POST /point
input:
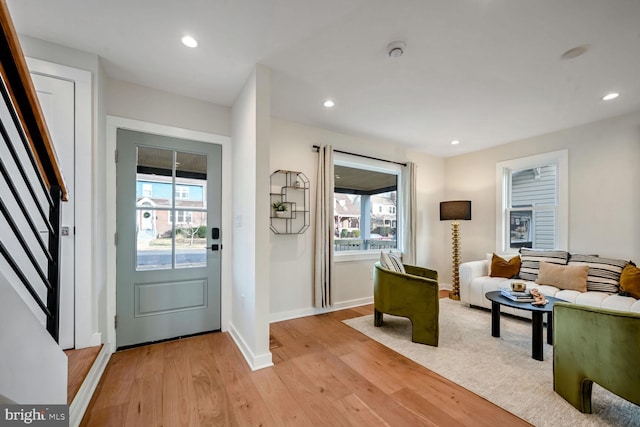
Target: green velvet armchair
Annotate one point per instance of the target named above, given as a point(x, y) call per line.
point(413, 295)
point(595, 345)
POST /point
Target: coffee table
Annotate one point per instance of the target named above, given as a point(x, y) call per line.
point(537, 312)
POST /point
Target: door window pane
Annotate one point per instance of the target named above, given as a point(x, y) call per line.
point(154, 177)
point(171, 188)
point(153, 250)
point(191, 240)
point(191, 180)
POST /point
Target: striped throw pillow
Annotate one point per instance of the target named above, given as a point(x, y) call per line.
point(604, 273)
point(391, 262)
point(532, 258)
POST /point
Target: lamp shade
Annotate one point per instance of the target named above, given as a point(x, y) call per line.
point(455, 210)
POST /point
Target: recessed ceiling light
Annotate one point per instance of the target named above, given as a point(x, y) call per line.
point(395, 49)
point(455, 142)
point(610, 96)
point(189, 41)
point(328, 103)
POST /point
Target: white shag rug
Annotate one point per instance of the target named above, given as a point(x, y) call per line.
point(498, 369)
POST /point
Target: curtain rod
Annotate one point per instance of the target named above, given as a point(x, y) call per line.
point(317, 147)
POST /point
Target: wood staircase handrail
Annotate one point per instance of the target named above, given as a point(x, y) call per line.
point(15, 73)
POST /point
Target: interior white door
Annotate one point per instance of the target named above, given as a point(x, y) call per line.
point(57, 99)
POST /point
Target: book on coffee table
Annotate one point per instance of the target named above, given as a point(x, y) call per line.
point(517, 296)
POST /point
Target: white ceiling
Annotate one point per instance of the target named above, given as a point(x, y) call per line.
point(485, 72)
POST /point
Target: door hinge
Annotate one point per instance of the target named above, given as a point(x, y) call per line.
point(115, 239)
point(115, 321)
point(116, 156)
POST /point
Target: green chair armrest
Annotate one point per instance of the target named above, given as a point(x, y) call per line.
point(421, 271)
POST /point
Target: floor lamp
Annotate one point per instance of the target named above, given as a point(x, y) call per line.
point(455, 211)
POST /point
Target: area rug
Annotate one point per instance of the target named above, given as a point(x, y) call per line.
point(499, 369)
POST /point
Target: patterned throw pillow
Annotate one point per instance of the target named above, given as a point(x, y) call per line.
point(604, 273)
point(391, 262)
point(500, 267)
point(531, 261)
point(630, 281)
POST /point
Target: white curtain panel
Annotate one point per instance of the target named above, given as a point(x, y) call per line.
point(409, 213)
point(323, 253)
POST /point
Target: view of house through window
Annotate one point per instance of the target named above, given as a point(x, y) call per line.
point(171, 209)
point(532, 209)
point(365, 206)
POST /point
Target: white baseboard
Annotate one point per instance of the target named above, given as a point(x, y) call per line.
point(255, 362)
point(312, 311)
point(85, 393)
point(95, 339)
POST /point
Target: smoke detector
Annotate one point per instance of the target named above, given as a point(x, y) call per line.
point(395, 49)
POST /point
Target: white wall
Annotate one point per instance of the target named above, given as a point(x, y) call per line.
point(33, 369)
point(250, 118)
point(603, 178)
point(292, 255)
point(432, 233)
point(154, 106)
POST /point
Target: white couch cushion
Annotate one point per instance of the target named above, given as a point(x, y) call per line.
point(594, 299)
point(565, 295)
point(616, 302)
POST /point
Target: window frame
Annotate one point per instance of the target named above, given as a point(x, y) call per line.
point(356, 162)
point(503, 193)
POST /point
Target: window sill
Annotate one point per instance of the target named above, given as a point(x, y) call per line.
point(356, 256)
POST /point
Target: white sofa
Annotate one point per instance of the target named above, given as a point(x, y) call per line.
point(475, 283)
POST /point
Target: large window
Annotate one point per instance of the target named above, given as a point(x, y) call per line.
point(365, 205)
point(532, 201)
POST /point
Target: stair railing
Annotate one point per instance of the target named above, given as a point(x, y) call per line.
point(31, 183)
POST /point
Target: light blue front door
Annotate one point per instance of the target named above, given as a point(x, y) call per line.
point(168, 241)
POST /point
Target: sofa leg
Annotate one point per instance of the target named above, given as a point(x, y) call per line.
point(377, 318)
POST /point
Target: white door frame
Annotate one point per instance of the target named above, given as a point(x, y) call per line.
point(86, 317)
point(113, 124)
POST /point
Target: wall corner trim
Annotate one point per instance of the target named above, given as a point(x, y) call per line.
point(255, 362)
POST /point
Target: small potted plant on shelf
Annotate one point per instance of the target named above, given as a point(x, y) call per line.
point(280, 209)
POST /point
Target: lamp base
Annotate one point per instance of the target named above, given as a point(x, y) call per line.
point(455, 243)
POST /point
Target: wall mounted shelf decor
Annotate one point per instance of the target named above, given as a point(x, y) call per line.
point(290, 202)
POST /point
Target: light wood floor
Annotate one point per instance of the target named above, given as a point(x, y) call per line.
point(79, 363)
point(325, 374)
